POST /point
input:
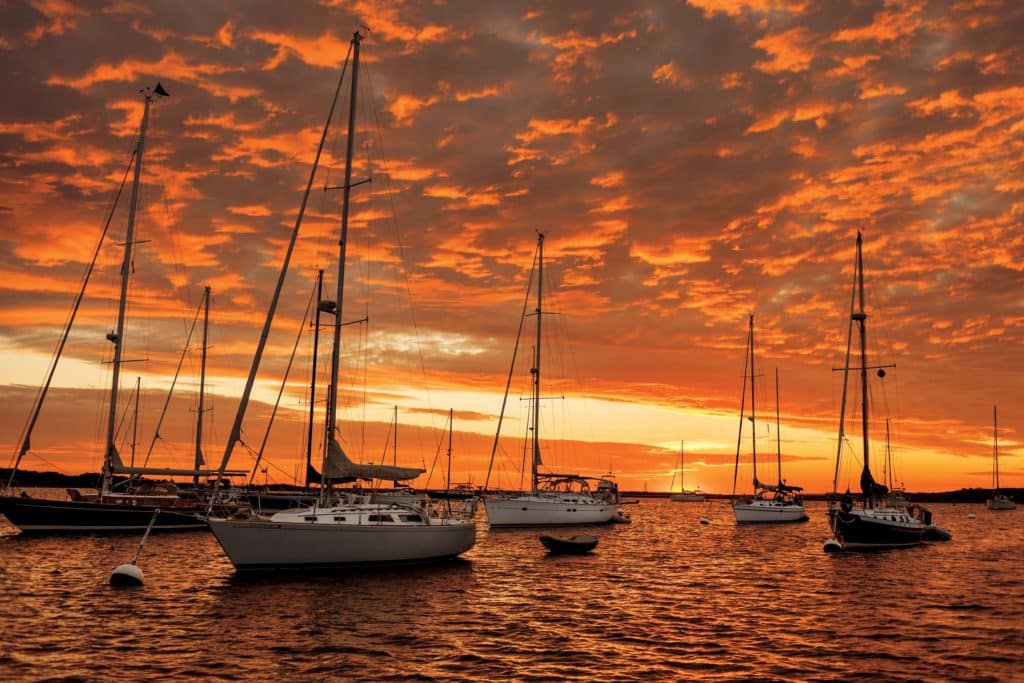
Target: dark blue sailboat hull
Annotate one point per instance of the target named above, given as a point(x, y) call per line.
point(40, 515)
point(859, 530)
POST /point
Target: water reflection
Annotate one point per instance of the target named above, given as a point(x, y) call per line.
point(662, 598)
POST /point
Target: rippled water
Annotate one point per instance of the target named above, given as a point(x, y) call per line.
point(664, 598)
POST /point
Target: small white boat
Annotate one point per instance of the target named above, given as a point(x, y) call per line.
point(770, 503)
point(998, 501)
point(553, 499)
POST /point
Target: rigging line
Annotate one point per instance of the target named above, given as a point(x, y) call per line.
point(170, 392)
point(743, 408)
point(26, 434)
point(284, 382)
point(184, 297)
point(437, 455)
point(511, 370)
point(236, 428)
point(401, 250)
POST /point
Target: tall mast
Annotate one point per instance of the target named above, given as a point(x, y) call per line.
point(202, 387)
point(135, 418)
point(743, 411)
point(394, 436)
point(682, 483)
point(860, 317)
point(332, 398)
point(753, 423)
point(536, 364)
point(312, 378)
point(778, 427)
point(236, 428)
point(995, 452)
point(846, 372)
point(117, 337)
point(451, 428)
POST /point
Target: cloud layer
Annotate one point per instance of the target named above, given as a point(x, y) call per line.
point(689, 162)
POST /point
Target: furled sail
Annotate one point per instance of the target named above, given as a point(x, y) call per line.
point(339, 467)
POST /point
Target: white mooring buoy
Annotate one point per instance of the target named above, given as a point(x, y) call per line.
point(832, 546)
point(130, 574)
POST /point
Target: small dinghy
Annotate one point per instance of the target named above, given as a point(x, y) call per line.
point(574, 545)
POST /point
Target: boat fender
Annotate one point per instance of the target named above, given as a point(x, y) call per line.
point(928, 517)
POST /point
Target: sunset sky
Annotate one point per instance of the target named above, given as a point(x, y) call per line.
point(690, 163)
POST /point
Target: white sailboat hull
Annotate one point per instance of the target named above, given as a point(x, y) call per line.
point(548, 510)
point(1000, 503)
point(756, 511)
point(264, 544)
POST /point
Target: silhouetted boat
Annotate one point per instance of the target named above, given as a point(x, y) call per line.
point(573, 545)
point(879, 521)
point(125, 506)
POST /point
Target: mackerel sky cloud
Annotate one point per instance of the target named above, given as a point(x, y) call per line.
point(689, 162)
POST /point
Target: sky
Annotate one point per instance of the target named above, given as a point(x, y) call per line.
point(689, 163)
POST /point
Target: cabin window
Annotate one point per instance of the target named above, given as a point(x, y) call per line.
point(338, 518)
point(379, 518)
point(310, 518)
point(524, 509)
point(411, 518)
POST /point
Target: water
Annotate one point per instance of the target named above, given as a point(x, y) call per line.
point(664, 598)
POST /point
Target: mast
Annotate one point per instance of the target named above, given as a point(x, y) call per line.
point(743, 410)
point(682, 482)
point(394, 449)
point(451, 428)
point(135, 418)
point(535, 371)
point(867, 483)
point(202, 387)
point(312, 380)
point(753, 423)
point(332, 398)
point(236, 427)
point(995, 453)
point(117, 337)
point(778, 427)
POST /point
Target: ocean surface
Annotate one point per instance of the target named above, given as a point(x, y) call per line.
point(663, 598)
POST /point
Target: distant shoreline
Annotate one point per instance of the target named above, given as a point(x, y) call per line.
point(31, 479)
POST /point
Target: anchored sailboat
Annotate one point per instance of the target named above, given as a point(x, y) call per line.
point(339, 529)
point(998, 501)
point(553, 499)
point(683, 496)
point(770, 503)
point(110, 507)
point(881, 520)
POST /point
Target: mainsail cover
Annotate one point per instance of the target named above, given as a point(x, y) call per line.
point(338, 466)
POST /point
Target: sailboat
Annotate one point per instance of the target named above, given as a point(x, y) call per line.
point(770, 503)
point(877, 522)
point(553, 499)
point(684, 496)
point(125, 506)
point(341, 528)
point(998, 501)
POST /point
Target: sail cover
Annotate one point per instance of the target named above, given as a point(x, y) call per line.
point(339, 467)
